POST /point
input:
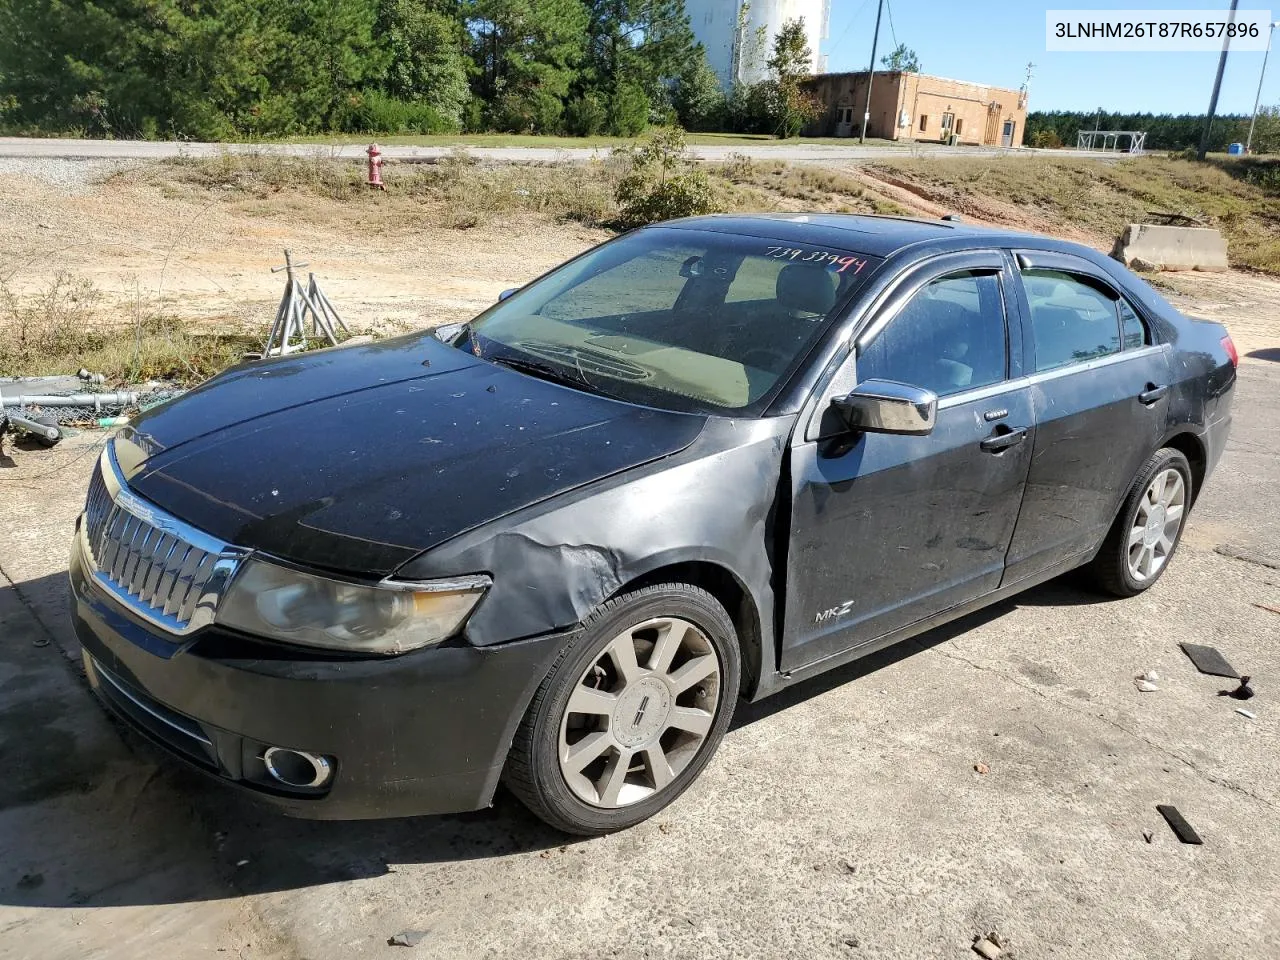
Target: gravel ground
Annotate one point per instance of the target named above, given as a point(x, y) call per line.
point(73, 176)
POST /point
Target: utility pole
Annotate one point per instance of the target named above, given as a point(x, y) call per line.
point(1248, 143)
point(871, 73)
point(1217, 88)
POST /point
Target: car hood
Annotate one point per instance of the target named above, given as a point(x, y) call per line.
point(360, 458)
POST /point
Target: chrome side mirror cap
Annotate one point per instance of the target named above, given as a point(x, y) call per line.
point(883, 406)
point(506, 293)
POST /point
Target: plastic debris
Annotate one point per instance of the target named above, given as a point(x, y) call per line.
point(1247, 714)
point(1244, 691)
point(983, 947)
point(1178, 823)
point(981, 768)
point(1209, 660)
point(1146, 682)
point(407, 938)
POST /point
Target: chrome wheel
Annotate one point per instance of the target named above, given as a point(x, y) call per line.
point(640, 713)
point(1156, 524)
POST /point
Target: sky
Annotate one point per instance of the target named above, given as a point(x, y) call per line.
point(991, 41)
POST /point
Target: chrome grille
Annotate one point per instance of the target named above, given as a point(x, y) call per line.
point(164, 570)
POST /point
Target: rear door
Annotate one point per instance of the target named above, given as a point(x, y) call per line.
point(1100, 388)
point(887, 530)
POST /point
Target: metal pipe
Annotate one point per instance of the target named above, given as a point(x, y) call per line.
point(1248, 143)
point(50, 434)
point(94, 400)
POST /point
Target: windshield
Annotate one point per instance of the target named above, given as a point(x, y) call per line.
point(685, 320)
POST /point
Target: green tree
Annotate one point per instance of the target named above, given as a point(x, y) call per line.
point(696, 96)
point(791, 105)
point(901, 59)
point(527, 53)
point(424, 41)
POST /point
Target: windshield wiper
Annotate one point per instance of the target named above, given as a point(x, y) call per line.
point(543, 371)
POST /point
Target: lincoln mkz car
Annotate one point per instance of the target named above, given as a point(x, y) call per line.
point(554, 547)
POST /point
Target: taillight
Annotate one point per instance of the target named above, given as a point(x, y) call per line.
point(1230, 347)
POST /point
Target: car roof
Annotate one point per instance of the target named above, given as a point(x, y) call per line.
point(877, 236)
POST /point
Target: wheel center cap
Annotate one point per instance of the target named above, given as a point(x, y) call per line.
point(641, 713)
point(1155, 524)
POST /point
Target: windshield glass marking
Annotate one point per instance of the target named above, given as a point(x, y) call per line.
point(816, 256)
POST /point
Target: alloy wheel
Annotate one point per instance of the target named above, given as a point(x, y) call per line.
point(1156, 524)
point(640, 713)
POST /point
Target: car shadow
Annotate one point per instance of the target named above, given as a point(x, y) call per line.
point(102, 817)
point(1266, 353)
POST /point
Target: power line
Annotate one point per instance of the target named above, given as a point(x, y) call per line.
point(852, 20)
point(892, 32)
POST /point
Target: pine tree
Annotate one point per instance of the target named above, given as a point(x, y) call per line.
point(901, 59)
point(424, 41)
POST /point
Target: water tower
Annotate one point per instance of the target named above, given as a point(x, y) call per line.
point(736, 54)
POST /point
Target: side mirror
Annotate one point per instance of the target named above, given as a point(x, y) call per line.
point(506, 293)
point(882, 406)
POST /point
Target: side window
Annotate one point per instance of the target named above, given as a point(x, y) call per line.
point(1132, 330)
point(950, 337)
point(1073, 318)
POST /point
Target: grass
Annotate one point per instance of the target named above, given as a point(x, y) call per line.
point(61, 329)
point(1241, 198)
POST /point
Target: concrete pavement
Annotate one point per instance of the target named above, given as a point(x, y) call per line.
point(844, 819)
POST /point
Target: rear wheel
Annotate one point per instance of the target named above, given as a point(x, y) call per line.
point(1149, 527)
point(631, 713)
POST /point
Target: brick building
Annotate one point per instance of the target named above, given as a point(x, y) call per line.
point(914, 106)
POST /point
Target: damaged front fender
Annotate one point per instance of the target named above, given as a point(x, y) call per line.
point(553, 564)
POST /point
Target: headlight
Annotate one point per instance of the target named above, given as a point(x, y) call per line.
point(274, 601)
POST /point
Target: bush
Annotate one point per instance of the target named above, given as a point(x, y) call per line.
point(375, 112)
point(1046, 140)
point(662, 183)
point(585, 116)
point(628, 111)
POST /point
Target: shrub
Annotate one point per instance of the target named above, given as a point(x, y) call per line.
point(585, 116)
point(662, 182)
point(1046, 140)
point(375, 112)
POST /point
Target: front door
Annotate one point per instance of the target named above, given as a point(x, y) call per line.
point(887, 530)
point(1101, 402)
point(1006, 135)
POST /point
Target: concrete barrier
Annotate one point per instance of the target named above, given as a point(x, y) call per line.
point(1171, 248)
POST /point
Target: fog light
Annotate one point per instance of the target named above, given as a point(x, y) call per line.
point(297, 768)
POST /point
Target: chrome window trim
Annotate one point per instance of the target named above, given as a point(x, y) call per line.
point(885, 306)
point(1031, 380)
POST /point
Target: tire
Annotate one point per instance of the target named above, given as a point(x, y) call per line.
point(1114, 569)
point(566, 762)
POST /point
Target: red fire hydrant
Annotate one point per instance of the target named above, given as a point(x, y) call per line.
point(375, 167)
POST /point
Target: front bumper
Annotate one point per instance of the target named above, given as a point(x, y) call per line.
point(422, 733)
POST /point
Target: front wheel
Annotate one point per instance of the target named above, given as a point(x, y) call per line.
point(631, 713)
point(1149, 527)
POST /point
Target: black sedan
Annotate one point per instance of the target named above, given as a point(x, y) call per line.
point(555, 546)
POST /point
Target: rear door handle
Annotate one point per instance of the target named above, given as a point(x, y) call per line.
point(1004, 439)
point(1153, 393)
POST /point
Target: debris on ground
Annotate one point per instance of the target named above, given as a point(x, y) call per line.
point(1247, 714)
point(1148, 835)
point(1242, 692)
point(289, 329)
point(981, 768)
point(1146, 682)
point(852, 942)
point(407, 938)
point(1178, 823)
point(1209, 660)
point(1267, 607)
point(984, 947)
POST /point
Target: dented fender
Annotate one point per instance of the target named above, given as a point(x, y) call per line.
point(714, 503)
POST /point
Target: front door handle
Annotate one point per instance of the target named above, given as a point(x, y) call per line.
point(1153, 393)
point(1004, 439)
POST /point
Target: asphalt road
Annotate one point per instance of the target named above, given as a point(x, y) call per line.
point(844, 819)
point(160, 149)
